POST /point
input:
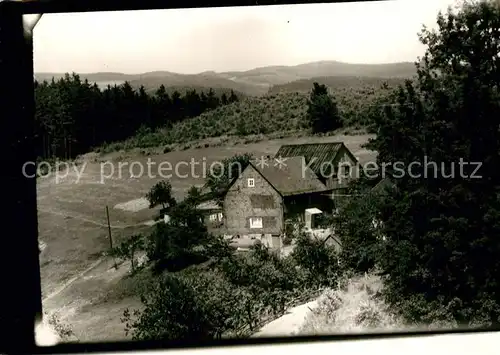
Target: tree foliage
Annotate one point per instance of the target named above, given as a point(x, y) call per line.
point(222, 176)
point(179, 243)
point(317, 258)
point(194, 196)
point(73, 116)
point(161, 195)
point(357, 228)
point(127, 250)
point(172, 311)
point(442, 256)
point(322, 111)
point(229, 298)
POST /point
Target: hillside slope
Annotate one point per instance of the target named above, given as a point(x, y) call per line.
point(276, 75)
point(337, 83)
point(281, 113)
point(206, 80)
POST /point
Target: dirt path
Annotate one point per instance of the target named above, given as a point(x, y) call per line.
point(57, 298)
point(73, 279)
point(45, 335)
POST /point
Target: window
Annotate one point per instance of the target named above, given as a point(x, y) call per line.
point(251, 182)
point(213, 217)
point(256, 222)
point(219, 216)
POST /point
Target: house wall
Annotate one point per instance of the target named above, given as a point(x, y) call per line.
point(242, 203)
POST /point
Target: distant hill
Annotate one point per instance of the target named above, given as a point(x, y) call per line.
point(276, 75)
point(92, 77)
point(336, 82)
point(255, 82)
point(206, 80)
point(152, 81)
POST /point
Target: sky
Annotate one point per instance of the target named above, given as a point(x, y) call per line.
point(191, 41)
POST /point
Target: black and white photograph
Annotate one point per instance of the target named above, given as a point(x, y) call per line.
point(264, 171)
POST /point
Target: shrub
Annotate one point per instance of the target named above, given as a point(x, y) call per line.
point(127, 250)
point(361, 238)
point(320, 260)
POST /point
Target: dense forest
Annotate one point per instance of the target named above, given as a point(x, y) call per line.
point(73, 116)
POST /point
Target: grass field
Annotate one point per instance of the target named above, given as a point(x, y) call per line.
point(76, 280)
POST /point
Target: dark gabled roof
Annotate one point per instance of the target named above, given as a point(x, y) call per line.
point(323, 152)
point(289, 179)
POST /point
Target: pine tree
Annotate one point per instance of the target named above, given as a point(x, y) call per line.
point(162, 106)
point(212, 100)
point(233, 97)
point(224, 100)
point(322, 111)
point(177, 107)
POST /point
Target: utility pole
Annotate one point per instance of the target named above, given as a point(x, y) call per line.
point(110, 237)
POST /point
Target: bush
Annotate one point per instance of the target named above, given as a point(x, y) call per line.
point(172, 311)
point(361, 238)
point(195, 306)
point(319, 260)
point(63, 330)
point(353, 305)
point(127, 250)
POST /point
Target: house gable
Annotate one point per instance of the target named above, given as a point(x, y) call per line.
point(346, 164)
point(254, 209)
point(248, 173)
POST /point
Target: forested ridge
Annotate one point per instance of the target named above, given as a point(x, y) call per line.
point(73, 116)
